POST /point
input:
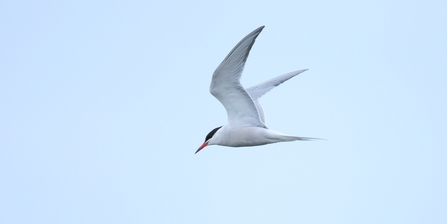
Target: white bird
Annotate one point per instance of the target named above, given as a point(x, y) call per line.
point(246, 121)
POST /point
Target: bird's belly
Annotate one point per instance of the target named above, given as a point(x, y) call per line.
point(250, 136)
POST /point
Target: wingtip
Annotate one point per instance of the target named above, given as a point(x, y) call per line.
point(259, 29)
point(297, 72)
point(301, 71)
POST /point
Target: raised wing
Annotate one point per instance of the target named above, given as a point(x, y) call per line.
point(226, 86)
point(259, 90)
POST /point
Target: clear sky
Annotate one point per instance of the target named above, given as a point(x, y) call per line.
point(103, 104)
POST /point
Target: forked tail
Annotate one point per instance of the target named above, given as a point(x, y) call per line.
point(280, 137)
point(294, 138)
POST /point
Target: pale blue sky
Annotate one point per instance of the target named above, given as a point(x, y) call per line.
point(103, 105)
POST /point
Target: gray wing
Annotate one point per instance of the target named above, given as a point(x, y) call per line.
point(226, 86)
point(259, 90)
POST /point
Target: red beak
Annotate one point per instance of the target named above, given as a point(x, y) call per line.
point(202, 146)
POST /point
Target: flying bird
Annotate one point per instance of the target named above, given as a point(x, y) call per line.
point(246, 120)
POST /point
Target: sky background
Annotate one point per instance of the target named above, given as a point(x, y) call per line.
point(103, 104)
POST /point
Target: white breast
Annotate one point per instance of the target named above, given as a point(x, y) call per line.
point(248, 136)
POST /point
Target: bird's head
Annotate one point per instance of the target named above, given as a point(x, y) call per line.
point(208, 138)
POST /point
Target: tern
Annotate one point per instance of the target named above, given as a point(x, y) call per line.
point(246, 121)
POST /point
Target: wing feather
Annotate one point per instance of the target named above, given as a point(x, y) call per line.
point(259, 90)
point(226, 86)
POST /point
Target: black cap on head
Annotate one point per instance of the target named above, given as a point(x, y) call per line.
point(208, 136)
point(211, 134)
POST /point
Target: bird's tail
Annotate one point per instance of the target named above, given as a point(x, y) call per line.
point(294, 138)
point(280, 137)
